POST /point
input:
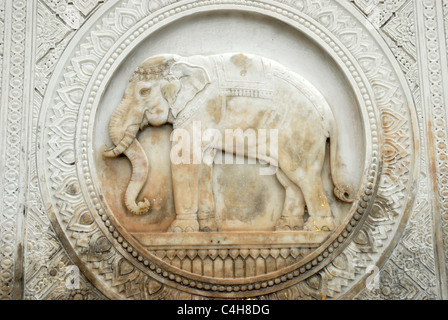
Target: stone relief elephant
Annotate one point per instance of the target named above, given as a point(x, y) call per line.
point(230, 91)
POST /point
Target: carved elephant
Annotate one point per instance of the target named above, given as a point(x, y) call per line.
point(230, 91)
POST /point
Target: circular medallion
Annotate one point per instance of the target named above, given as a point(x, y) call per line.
point(247, 254)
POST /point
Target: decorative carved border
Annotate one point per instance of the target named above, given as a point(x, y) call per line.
point(435, 72)
point(383, 217)
point(14, 109)
point(45, 259)
point(411, 271)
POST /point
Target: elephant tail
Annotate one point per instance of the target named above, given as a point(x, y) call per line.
point(342, 192)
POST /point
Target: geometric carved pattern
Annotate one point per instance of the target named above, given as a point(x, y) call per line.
point(366, 6)
point(72, 13)
point(416, 244)
point(232, 263)
point(2, 35)
point(400, 29)
point(378, 11)
point(3, 294)
point(13, 109)
point(86, 6)
point(57, 21)
point(436, 67)
point(51, 31)
point(445, 13)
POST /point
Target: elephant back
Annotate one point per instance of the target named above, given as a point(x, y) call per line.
point(244, 75)
point(317, 100)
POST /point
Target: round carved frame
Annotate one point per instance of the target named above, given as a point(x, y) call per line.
point(94, 239)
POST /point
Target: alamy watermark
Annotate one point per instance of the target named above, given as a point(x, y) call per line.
point(72, 278)
point(373, 280)
point(198, 146)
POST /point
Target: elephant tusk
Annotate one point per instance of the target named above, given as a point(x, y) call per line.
point(110, 152)
point(145, 122)
point(139, 163)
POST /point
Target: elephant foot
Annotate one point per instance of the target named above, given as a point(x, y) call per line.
point(207, 222)
point(289, 224)
point(320, 224)
point(184, 225)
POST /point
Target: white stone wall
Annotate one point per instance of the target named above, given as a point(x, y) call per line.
point(58, 58)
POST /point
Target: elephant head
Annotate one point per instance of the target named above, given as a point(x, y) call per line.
point(158, 91)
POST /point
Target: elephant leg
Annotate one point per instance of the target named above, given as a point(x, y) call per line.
point(309, 180)
point(186, 193)
point(293, 207)
point(320, 216)
point(185, 177)
point(206, 214)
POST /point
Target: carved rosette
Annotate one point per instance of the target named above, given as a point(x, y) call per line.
point(120, 266)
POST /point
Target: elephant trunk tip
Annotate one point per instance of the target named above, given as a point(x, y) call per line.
point(111, 152)
point(140, 208)
point(343, 194)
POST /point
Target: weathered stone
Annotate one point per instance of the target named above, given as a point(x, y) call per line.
point(103, 195)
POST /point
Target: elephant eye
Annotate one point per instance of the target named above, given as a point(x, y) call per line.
point(145, 92)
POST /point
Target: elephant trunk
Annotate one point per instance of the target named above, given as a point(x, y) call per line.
point(127, 144)
point(139, 162)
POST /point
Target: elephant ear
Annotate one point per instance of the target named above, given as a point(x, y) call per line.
point(192, 79)
point(170, 92)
